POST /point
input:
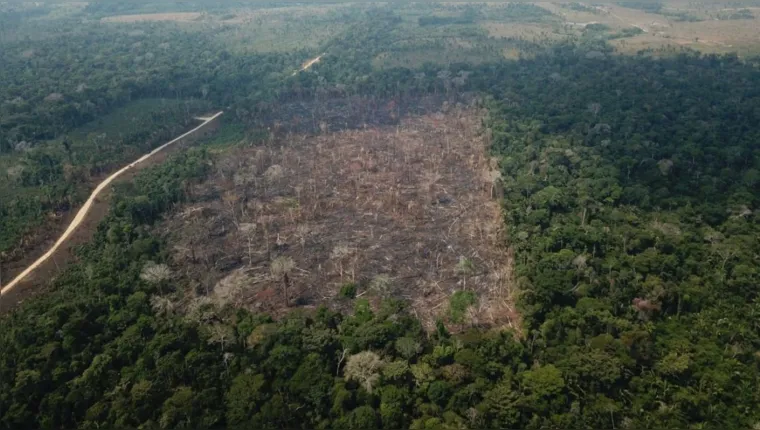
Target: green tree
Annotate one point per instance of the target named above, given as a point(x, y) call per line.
point(245, 397)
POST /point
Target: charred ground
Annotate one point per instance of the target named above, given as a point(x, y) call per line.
point(405, 210)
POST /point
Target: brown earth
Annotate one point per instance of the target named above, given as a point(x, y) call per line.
point(400, 210)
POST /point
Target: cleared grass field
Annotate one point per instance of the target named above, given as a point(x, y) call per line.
point(278, 35)
point(280, 29)
point(706, 27)
point(529, 31)
point(740, 36)
point(177, 17)
point(449, 53)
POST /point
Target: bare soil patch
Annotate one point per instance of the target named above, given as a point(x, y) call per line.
point(402, 211)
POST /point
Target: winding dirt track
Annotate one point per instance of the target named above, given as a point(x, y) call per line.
point(83, 211)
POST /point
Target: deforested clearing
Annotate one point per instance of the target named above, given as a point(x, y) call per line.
point(409, 211)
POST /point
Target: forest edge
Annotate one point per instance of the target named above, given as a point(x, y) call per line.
point(85, 209)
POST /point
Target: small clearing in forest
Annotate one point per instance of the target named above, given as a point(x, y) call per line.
point(308, 64)
point(403, 211)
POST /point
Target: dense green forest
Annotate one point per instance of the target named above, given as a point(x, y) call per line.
point(631, 192)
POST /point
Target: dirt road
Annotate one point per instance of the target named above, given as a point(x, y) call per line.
point(82, 214)
point(308, 64)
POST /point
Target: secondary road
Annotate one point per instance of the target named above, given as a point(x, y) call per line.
point(308, 64)
point(82, 214)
